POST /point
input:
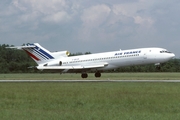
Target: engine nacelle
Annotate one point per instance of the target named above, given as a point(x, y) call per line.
point(54, 63)
point(61, 54)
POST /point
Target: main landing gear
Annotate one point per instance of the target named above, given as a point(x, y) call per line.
point(97, 74)
point(85, 75)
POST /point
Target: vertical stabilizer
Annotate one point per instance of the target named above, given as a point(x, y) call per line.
point(38, 53)
point(41, 55)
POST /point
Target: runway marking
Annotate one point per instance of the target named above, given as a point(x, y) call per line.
point(33, 81)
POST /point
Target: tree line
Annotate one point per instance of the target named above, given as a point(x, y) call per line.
point(17, 61)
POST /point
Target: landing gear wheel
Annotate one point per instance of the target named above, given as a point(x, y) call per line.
point(97, 74)
point(84, 75)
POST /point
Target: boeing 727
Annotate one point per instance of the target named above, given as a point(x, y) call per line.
point(96, 63)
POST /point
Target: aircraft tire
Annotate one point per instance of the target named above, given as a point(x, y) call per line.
point(84, 75)
point(97, 74)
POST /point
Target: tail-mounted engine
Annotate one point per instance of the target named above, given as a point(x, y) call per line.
point(67, 53)
point(61, 54)
point(57, 55)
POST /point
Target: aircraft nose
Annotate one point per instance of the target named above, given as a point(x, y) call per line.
point(172, 55)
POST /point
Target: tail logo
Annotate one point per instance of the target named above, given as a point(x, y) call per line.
point(38, 53)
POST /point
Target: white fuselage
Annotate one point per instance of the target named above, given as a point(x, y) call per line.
point(117, 59)
point(97, 63)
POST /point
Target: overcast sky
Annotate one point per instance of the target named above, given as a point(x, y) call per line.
point(91, 25)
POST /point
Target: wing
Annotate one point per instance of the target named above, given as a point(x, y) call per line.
point(89, 66)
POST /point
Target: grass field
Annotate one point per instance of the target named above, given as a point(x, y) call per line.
point(105, 76)
point(90, 101)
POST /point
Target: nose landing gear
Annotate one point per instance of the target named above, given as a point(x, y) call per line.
point(158, 66)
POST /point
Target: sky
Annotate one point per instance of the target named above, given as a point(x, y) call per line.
point(91, 25)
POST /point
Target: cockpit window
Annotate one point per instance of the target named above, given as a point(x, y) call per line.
point(164, 51)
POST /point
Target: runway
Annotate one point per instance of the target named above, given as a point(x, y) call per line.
point(72, 81)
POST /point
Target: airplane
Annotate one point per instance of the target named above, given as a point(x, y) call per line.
point(97, 62)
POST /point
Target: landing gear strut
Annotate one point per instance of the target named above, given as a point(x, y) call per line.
point(158, 67)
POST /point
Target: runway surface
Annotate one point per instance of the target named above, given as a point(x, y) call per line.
point(34, 81)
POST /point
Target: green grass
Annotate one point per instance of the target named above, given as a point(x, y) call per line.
point(105, 76)
point(90, 101)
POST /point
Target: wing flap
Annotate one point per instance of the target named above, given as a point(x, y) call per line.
point(91, 66)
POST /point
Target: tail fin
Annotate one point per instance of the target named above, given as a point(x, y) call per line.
point(41, 55)
point(38, 53)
